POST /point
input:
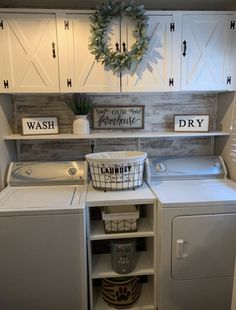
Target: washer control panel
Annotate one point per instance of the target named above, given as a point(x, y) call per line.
point(47, 173)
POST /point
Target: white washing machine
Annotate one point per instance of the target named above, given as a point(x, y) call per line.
point(42, 237)
point(196, 233)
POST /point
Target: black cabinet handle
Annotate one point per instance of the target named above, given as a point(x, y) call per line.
point(117, 46)
point(124, 48)
point(185, 48)
point(54, 50)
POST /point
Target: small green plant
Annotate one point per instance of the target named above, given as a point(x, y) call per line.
point(80, 104)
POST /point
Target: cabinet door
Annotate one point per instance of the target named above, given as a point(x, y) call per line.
point(203, 246)
point(154, 71)
point(206, 52)
point(29, 50)
point(79, 70)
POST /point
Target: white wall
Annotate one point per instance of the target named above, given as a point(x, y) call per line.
point(7, 149)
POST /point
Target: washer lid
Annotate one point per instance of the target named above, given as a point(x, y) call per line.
point(43, 197)
point(195, 192)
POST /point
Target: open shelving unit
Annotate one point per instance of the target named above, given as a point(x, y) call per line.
point(99, 250)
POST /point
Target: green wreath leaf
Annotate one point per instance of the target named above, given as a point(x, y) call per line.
point(99, 46)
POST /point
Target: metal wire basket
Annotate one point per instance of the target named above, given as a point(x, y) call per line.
point(116, 170)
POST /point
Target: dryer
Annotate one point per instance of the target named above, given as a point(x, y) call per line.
point(196, 233)
point(42, 237)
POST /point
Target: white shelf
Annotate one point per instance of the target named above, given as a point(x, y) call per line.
point(117, 135)
point(101, 266)
point(144, 302)
point(97, 231)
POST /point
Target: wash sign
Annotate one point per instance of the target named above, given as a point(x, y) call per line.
point(39, 126)
point(191, 122)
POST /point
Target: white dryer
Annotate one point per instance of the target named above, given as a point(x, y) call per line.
point(196, 233)
point(42, 237)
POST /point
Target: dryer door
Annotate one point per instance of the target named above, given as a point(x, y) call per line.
point(203, 246)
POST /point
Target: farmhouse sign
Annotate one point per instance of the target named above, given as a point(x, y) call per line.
point(118, 117)
point(191, 122)
point(39, 125)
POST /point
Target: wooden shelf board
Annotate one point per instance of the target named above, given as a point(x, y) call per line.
point(144, 302)
point(117, 135)
point(101, 266)
point(98, 233)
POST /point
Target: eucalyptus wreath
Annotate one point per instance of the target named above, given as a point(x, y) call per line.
point(111, 58)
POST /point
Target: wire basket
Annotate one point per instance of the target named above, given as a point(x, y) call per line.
point(118, 219)
point(116, 170)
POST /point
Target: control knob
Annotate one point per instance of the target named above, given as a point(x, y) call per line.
point(160, 167)
point(72, 171)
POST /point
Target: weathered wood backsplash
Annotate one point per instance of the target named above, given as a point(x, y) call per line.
point(159, 112)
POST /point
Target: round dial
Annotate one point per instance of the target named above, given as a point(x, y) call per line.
point(160, 167)
point(72, 171)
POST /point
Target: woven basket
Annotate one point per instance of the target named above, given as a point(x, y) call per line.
point(121, 293)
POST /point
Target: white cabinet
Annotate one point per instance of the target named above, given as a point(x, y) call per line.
point(99, 251)
point(29, 57)
point(79, 70)
point(154, 72)
point(207, 52)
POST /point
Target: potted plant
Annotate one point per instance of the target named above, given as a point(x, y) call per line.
point(81, 105)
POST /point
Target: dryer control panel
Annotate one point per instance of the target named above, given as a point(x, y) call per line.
point(201, 167)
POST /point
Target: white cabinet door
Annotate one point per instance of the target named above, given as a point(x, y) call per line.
point(203, 246)
point(29, 50)
point(79, 70)
point(154, 72)
point(206, 52)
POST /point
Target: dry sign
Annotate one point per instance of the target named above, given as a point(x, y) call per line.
point(39, 125)
point(118, 117)
point(195, 122)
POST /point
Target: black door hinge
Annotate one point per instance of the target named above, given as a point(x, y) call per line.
point(5, 83)
point(171, 82)
point(1, 24)
point(66, 25)
point(232, 25)
point(172, 27)
point(228, 80)
point(69, 83)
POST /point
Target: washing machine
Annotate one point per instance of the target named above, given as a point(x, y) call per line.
point(196, 229)
point(42, 237)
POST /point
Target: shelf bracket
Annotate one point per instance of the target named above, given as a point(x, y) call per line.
point(18, 150)
point(92, 143)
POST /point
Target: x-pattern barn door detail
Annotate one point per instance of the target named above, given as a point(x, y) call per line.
point(206, 52)
point(30, 52)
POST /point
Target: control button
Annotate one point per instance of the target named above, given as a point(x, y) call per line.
point(160, 167)
point(72, 171)
point(216, 164)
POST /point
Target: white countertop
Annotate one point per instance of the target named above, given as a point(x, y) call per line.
point(142, 194)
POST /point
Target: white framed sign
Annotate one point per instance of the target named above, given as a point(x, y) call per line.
point(118, 117)
point(39, 125)
point(191, 122)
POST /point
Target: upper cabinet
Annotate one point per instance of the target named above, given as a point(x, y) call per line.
point(207, 52)
point(49, 52)
point(154, 72)
point(80, 72)
point(29, 56)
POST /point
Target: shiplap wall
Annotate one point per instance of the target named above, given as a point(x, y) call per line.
point(160, 109)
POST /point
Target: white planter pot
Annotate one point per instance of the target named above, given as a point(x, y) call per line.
point(81, 125)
